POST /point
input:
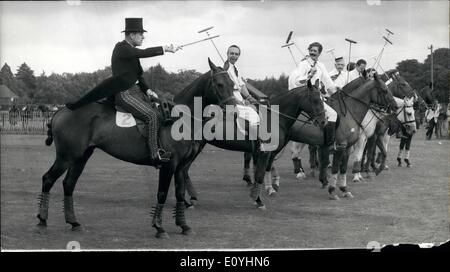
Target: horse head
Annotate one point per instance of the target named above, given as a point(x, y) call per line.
point(399, 86)
point(310, 101)
point(381, 95)
point(405, 114)
point(221, 87)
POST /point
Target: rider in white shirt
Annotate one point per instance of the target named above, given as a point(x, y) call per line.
point(358, 71)
point(339, 74)
point(311, 69)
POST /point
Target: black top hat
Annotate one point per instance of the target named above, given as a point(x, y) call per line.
point(133, 25)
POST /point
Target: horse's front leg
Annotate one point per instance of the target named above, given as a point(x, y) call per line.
point(261, 165)
point(247, 159)
point(179, 211)
point(324, 161)
point(358, 150)
point(343, 174)
point(165, 176)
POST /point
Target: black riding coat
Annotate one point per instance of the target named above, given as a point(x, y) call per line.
point(125, 62)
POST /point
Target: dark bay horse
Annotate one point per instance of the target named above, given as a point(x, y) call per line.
point(291, 104)
point(77, 133)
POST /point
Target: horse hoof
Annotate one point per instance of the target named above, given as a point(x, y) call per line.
point(190, 207)
point(271, 191)
point(42, 223)
point(276, 187)
point(300, 176)
point(262, 207)
point(348, 195)
point(162, 235)
point(334, 197)
point(247, 179)
point(187, 231)
point(356, 180)
point(77, 228)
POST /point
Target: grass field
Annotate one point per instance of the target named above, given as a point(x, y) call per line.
point(113, 200)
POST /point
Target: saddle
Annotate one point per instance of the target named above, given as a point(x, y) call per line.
point(126, 119)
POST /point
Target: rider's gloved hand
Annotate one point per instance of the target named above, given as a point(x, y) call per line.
point(172, 48)
point(151, 93)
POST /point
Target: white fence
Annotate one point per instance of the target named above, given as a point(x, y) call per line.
point(29, 122)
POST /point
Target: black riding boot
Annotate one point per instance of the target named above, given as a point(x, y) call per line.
point(108, 87)
point(330, 135)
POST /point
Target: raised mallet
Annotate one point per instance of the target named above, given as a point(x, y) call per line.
point(349, 51)
point(386, 41)
point(211, 39)
point(288, 45)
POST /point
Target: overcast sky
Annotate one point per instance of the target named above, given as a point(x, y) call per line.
point(63, 37)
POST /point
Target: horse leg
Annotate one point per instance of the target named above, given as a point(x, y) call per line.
point(255, 191)
point(270, 187)
point(358, 150)
point(383, 153)
point(247, 178)
point(190, 189)
point(69, 183)
point(324, 160)
point(343, 175)
point(180, 219)
point(313, 160)
point(407, 147)
point(334, 172)
point(48, 180)
point(165, 176)
point(275, 178)
point(297, 160)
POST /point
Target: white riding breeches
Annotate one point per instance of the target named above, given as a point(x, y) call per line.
point(330, 113)
point(248, 113)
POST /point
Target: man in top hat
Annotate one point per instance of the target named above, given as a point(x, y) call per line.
point(338, 74)
point(127, 87)
point(311, 69)
point(359, 71)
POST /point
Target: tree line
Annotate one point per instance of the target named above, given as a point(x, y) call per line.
point(61, 88)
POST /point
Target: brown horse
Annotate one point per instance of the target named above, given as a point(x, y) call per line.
point(77, 133)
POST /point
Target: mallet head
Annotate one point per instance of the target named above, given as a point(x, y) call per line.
point(387, 40)
point(390, 32)
point(289, 36)
point(350, 41)
point(287, 45)
point(206, 29)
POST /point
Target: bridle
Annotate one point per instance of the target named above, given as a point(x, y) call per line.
point(222, 102)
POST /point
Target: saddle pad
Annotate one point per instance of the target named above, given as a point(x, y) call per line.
point(125, 119)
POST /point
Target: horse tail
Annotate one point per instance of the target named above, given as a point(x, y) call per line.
point(49, 139)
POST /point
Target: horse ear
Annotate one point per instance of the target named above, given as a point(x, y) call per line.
point(212, 65)
point(375, 76)
point(308, 83)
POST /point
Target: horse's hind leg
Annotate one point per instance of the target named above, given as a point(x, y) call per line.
point(69, 183)
point(48, 180)
point(343, 175)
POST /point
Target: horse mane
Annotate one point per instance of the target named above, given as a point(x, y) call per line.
point(189, 88)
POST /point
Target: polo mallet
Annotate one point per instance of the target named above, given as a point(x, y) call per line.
point(211, 39)
point(303, 54)
point(288, 45)
point(379, 66)
point(386, 41)
point(389, 32)
point(349, 52)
